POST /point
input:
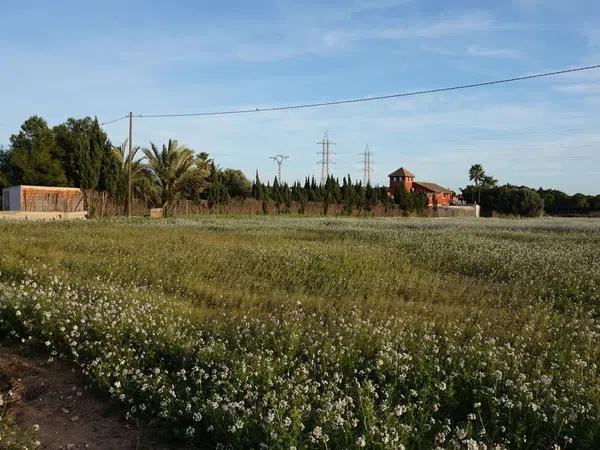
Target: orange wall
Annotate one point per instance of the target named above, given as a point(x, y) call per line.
point(442, 198)
point(408, 185)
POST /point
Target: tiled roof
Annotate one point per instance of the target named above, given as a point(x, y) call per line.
point(432, 186)
point(402, 172)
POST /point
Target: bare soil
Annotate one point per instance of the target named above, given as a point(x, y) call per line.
point(51, 396)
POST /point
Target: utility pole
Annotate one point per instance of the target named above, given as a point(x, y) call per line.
point(325, 157)
point(366, 165)
point(129, 196)
point(279, 159)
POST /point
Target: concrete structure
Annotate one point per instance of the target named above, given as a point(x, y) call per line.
point(156, 212)
point(454, 211)
point(436, 194)
point(44, 199)
point(43, 216)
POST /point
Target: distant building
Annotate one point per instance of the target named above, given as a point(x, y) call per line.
point(42, 199)
point(435, 193)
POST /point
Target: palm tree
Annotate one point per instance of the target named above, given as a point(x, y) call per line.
point(489, 181)
point(476, 174)
point(137, 168)
point(122, 156)
point(168, 169)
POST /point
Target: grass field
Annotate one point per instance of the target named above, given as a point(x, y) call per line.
point(326, 333)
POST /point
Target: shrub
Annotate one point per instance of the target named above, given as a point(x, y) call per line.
point(520, 202)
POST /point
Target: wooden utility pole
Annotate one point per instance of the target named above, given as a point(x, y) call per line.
point(129, 196)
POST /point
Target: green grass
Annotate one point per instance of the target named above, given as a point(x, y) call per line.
point(314, 332)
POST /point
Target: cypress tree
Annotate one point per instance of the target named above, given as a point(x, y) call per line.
point(401, 197)
point(257, 188)
point(109, 177)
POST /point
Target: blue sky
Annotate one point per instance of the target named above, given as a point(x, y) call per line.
point(74, 58)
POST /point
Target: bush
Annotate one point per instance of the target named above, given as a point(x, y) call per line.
point(520, 202)
point(507, 199)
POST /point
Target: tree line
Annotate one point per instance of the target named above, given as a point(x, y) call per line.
point(523, 200)
point(350, 195)
point(78, 153)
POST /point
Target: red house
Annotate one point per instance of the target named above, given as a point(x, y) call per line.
point(435, 193)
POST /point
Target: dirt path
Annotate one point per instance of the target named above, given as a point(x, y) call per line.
point(52, 397)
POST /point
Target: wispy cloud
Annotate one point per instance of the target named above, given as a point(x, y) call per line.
point(367, 5)
point(476, 50)
point(579, 88)
point(470, 22)
point(427, 30)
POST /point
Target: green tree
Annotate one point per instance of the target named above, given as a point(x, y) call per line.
point(302, 201)
point(581, 202)
point(34, 156)
point(257, 188)
point(347, 196)
point(401, 197)
point(109, 176)
point(489, 181)
point(410, 201)
point(140, 182)
point(168, 168)
point(520, 202)
point(84, 147)
point(236, 183)
point(420, 202)
point(217, 193)
point(4, 179)
point(197, 181)
point(110, 171)
point(370, 197)
point(476, 174)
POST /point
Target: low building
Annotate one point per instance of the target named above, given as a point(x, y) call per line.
point(436, 194)
point(42, 199)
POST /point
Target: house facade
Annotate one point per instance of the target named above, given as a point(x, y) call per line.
point(436, 194)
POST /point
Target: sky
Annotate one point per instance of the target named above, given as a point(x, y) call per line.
point(65, 59)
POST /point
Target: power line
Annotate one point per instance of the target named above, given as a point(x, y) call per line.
point(368, 99)
point(115, 120)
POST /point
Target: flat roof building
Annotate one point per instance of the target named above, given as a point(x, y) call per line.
point(42, 199)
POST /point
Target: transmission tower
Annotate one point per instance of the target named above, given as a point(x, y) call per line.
point(325, 157)
point(279, 159)
point(366, 162)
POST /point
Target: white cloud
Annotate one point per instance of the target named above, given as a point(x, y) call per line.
point(476, 50)
point(467, 23)
point(367, 5)
point(579, 88)
point(470, 22)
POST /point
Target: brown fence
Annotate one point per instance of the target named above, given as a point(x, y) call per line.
point(49, 200)
point(101, 205)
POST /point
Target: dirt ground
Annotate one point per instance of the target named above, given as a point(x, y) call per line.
point(52, 396)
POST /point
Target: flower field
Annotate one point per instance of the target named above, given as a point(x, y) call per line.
point(275, 332)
